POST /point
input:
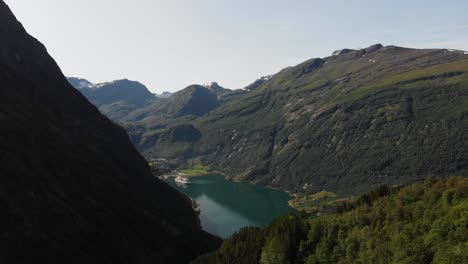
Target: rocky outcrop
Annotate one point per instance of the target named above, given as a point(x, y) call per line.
point(341, 51)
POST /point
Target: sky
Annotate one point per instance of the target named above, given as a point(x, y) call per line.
point(168, 45)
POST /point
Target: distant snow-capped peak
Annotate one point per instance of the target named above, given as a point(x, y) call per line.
point(164, 95)
point(210, 85)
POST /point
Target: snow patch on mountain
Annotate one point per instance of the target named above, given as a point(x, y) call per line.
point(211, 85)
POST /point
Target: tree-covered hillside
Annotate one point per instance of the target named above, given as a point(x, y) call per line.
point(426, 222)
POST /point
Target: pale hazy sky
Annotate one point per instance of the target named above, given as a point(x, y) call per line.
point(170, 44)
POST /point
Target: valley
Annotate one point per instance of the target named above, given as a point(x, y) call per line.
point(344, 124)
point(227, 206)
point(326, 130)
point(355, 157)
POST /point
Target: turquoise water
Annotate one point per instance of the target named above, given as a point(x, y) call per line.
point(228, 206)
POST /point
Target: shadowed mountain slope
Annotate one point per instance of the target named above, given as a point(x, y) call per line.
point(72, 187)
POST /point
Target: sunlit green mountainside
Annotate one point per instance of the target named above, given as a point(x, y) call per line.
point(73, 189)
point(195, 100)
point(425, 222)
point(346, 123)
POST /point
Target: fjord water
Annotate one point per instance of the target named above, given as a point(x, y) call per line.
point(227, 206)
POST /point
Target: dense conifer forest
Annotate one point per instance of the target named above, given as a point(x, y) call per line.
point(426, 222)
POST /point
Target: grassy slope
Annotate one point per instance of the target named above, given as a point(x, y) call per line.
point(194, 168)
point(315, 202)
point(345, 124)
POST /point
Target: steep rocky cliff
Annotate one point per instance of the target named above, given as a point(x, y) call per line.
point(345, 123)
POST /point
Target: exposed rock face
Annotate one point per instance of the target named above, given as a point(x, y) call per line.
point(72, 187)
point(341, 51)
point(345, 123)
point(373, 48)
point(257, 83)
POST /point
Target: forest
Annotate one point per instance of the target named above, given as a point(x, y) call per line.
point(425, 222)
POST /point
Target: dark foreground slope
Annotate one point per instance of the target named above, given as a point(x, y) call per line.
point(344, 123)
point(72, 187)
point(422, 223)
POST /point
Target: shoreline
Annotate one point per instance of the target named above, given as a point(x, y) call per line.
point(292, 196)
point(192, 175)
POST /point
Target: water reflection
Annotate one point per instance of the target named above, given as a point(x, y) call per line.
point(228, 206)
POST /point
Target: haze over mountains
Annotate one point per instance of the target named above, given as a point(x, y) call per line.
point(345, 123)
point(378, 121)
point(127, 100)
point(72, 187)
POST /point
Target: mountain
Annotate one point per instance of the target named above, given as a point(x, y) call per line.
point(214, 86)
point(131, 92)
point(420, 223)
point(345, 123)
point(115, 99)
point(164, 95)
point(224, 95)
point(194, 100)
point(169, 110)
point(257, 83)
point(168, 120)
point(72, 187)
point(79, 82)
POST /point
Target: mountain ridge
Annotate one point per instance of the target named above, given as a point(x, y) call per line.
point(313, 124)
point(115, 98)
